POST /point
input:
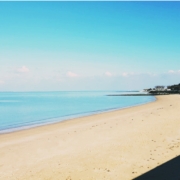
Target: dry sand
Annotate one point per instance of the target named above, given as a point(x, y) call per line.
point(121, 145)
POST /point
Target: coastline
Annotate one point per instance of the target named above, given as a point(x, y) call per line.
point(56, 120)
point(120, 144)
point(133, 94)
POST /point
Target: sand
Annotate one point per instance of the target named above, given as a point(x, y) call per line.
point(121, 144)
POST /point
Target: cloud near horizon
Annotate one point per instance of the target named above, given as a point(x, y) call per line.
point(107, 73)
point(71, 74)
point(128, 74)
point(23, 69)
point(174, 71)
point(70, 80)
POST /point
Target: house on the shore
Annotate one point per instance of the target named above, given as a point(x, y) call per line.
point(159, 88)
point(156, 88)
point(147, 90)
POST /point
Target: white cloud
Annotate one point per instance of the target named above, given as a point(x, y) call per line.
point(174, 72)
point(71, 74)
point(124, 74)
point(171, 71)
point(133, 74)
point(23, 69)
point(108, 74)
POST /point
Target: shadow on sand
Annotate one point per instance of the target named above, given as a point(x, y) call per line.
point(167, 171)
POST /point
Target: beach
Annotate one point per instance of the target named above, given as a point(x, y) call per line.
point(121, 144)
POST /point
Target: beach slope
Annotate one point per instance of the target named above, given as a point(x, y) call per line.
point(121, 144)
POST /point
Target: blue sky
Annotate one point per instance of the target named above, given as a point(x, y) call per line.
point(88, 45)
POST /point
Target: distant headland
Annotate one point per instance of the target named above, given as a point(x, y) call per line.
point(157, 90)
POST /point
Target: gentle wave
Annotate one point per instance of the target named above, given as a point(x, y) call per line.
point(38, 108)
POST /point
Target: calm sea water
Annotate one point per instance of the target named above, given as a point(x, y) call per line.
point(26, 109)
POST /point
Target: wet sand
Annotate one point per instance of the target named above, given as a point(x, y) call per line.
point(122, 144)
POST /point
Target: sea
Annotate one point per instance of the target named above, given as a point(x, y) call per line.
point(22, 110)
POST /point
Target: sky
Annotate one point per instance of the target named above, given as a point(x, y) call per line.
point(73, 46)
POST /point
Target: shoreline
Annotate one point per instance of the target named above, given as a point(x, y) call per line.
point(121, 144)
point(69, 118)
point(133, 94)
